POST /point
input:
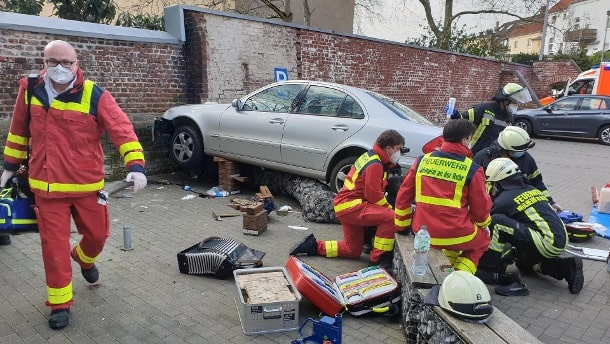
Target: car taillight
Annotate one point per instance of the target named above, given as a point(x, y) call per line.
point(432, 145)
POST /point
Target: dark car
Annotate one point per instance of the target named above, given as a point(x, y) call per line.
point(581, 116)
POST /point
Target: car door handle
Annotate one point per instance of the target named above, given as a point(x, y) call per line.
point(276, 121)
point(340, 127)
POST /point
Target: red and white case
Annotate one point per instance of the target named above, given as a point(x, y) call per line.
point(360, 292)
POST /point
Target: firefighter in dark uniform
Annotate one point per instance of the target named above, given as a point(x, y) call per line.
point(522, 217)
point(491, 118)
point(513, 143)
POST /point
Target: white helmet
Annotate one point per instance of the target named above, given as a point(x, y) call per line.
point(513, 92)
point(514, 139)
point(466, 296)
point(500, 169)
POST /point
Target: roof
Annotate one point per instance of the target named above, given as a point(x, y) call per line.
point(562, 5)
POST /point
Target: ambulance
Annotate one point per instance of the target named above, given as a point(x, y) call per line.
point(593, 81)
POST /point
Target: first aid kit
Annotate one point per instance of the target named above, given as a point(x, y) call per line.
point(17, 213)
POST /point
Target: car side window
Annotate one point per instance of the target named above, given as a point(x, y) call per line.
point(273, 99)
point(350, 109)
point(322, 101)
point(590, 104)
point(565, 104)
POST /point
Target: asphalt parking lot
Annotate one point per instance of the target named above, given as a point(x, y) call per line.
point(142, 297)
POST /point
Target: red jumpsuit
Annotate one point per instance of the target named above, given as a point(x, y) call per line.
point(361, 203)
point(66, 171)
point(449, 191)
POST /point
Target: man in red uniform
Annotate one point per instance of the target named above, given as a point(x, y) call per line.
point(60, 126)
point(362, 203)
point(449, 191)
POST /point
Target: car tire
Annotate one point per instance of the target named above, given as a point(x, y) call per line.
point(340, 171)
point(603, 135)
point(525, 125)
point(186, 147)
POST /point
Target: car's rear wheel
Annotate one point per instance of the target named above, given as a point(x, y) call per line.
point(340, 171)
point(187, 147)
point(525, 125)
point(604, 135)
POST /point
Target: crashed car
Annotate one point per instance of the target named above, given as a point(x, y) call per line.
point(307, 128)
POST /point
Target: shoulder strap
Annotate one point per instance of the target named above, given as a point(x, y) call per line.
point(32, 81)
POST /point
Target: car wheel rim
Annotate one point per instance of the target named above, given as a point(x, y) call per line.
point(521, 125)
point(183, 147)
point(606, 135)
point(342, 175)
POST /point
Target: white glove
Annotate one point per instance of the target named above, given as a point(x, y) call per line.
point(557, 207)
point(138, 179)
point(6, 176)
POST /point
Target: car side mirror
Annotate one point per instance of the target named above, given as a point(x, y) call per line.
point(238, 104)
point(548, 109)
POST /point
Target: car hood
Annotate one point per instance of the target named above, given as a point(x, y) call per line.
point(195, 110)
point(528, 111)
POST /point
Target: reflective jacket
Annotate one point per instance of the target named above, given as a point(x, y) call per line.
point(66, 157)
point(449, 191)
point(365, 182)
point(490, 119)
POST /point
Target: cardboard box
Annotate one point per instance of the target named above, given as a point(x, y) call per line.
point(267, 300)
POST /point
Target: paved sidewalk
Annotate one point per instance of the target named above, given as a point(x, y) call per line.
point(142, 297)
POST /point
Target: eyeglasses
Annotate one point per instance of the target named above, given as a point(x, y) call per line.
point(64, 63)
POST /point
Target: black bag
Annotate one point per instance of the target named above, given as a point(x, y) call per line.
point(218, 257)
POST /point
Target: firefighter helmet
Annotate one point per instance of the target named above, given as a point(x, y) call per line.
point(466, 296)
point(513, 92)
point(514, 139)
point(500, 169)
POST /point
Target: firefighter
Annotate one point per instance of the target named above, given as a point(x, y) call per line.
point(523, 217)
point(362, 203)
point(449, 191)
point(491, 117)
point(513, 142)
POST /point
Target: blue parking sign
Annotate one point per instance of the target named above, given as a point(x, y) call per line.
point(280, 74)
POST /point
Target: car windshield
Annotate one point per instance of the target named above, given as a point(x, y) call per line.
point(399, 109)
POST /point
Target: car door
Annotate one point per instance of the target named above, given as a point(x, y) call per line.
point(255, 131)
point(558, 120)
point(588, 116)
point(323, 118)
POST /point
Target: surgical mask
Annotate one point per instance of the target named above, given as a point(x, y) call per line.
point(395, 157)
point(60, 74)
point(512, 108)
point(516, 154)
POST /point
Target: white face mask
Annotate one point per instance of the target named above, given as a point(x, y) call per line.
point(512, 108)
point(395, 157)
point(60, 74)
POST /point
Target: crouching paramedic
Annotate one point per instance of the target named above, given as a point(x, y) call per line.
point(362, 203)
point(523, 217)
point(448, 189)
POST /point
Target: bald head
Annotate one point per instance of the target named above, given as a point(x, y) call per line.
point(61, 63)
point(60, 50)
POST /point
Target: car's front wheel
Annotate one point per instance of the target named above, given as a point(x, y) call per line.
point(187, 147)
point(340, 171)
point(525, 125)
point(604, 135)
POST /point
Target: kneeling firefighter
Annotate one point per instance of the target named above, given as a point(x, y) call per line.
point(522, 216)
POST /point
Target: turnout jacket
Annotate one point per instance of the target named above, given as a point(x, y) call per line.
point(529, 206)
point(365, 182)
point(490, 119)
point(449, 191)
point(66, 155)
point(526, 164)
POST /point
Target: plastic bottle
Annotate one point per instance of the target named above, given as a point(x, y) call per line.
point(450, 107)
point(603, 205)
point(421, 246)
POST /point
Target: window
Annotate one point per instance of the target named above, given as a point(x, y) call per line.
point(529, 42)
point(553, 19)
point(273, 99)
point(515, 44)
point(564, 104)
point(324, 101)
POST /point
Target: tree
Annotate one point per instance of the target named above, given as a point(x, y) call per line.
point(92, 11)
point(32, 7)
point(142, 21)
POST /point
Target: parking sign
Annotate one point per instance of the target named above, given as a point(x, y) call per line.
point(280, 74)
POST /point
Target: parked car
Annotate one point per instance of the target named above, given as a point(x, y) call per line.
point(307, 128)
point(583, 116)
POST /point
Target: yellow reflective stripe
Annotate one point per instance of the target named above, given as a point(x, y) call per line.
point(332, 248)
point(347, 205)
point(404, 212)
point(477, 134)
point(383, 244)
point(453, 241)
point(57, 296)
point(495, 244)
point(451, 255)
point(129, 146)
point(485, 222)
point(15, 153)
point(62, 187)
point(85, 102)
point(543, 236)
point(134, 156)
point(464, 264)
point(454, 171)
point(35, 100)
point(359, 164)
point(471, 115)
point(402, 223)
point(382, 202)
point(24, 221)
point(18, 139)
point(83, 257)
point(533, 175)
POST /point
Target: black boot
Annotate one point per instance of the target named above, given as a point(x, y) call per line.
point(369, 234)
point(385, 261)
point(91, 275)
point(5, 240)
point(308, 246)
point(59, 318)
point(501, 278)
point(573, 274)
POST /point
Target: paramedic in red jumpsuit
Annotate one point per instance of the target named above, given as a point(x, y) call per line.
point(451, 199)
point(362, 203)
point(68, 116)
